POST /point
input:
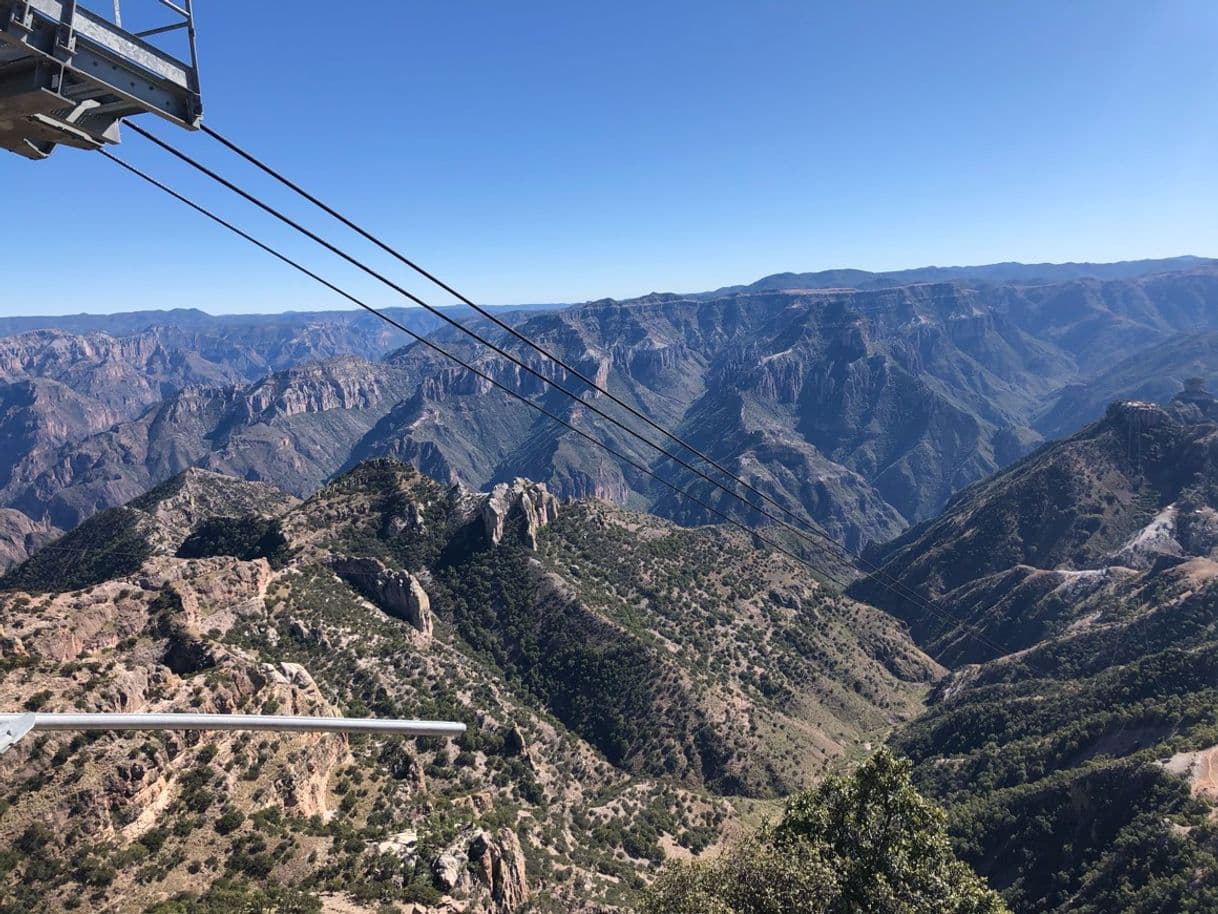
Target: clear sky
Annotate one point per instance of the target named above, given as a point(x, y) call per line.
point(550, 150)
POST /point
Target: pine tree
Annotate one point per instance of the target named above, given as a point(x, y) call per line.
point(860, 843)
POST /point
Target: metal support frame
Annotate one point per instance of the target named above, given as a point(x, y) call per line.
point(69, 75)
point(14, 726)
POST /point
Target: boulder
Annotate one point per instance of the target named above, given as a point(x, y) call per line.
point(448, 870)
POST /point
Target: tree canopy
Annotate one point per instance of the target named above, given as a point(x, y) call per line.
point(859, 843)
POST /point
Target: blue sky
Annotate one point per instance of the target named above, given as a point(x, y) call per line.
point(538, 151)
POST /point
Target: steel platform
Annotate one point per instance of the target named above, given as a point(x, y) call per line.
point(69, 74)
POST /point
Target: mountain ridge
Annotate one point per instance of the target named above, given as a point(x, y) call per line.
point(1079, 722)
point(861, 411)
point(624, 680)
point(134, 321)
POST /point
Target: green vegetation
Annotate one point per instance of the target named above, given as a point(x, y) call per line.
point(598, 684)
point(232, 897)
point(403, 517)
point(108, 545)
point(246, 538)
point(861, 842)
point(1055, 789)
point(622, 634)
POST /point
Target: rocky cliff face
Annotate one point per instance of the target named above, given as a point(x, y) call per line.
point(345, 384)
point(398, 593)
point(799, 392)
point(293, 429)
point(478, 859)
point(20, 537)
point(862, 410)
point(123, 374)
point(38, 417)
point(128, 362)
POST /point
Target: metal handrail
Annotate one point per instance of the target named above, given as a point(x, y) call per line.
point(118, 12)
point(186, 13)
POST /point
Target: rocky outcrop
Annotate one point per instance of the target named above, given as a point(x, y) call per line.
point(479, 860)
point(499, 860)
point(1136, 415)
point(20, 537)
point(398, 593)
point(530, 502)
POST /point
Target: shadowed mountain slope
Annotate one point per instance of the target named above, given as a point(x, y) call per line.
point(1071, 742)
point(1138, 481)
point(1155, 374)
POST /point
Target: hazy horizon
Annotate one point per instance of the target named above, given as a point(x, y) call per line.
point(342, 306)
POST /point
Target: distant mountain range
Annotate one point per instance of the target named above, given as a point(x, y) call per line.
point(198, 327)
point(1011, 272)
point(197, 321)
point(862, 410)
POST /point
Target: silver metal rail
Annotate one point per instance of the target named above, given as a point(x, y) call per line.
point(14, 726)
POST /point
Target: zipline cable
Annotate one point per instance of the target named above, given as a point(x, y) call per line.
point(491, 316)
point(891, 584)
point(591, 383)
point(461, 362)
point(473, 334)
point(943, 615)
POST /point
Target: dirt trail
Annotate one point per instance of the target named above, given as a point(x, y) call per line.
point(1205, 775)
point(1201, 769)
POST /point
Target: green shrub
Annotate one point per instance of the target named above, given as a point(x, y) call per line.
point(863, 842)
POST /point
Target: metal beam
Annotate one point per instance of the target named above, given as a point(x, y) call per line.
point(87, 24)
point(78, 54)
point(11, 725)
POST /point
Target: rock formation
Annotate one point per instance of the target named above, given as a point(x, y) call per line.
point(398, 593)
point(478, 860)
point(527, 501)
